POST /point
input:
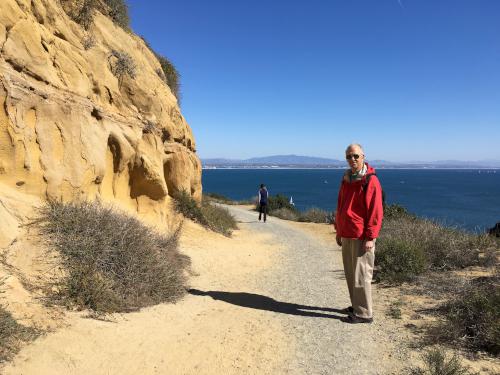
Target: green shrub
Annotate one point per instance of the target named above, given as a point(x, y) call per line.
point(112, 261)
point(219, 219)
point(285, 214)
point(187, 206)
point(170, 75)
point(395, 211)
point(398, 260)
point(279, 201)
point(436, 363)
point(215, 218)
point(444, 248)
point(314, 215)
point(472, 317)
point(122, 65)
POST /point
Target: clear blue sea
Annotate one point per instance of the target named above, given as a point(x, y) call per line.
point(466, 198)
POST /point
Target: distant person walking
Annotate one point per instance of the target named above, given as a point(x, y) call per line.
point(263, 199)
point(358, 222)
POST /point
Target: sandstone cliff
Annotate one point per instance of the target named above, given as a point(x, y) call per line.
point(71, 127)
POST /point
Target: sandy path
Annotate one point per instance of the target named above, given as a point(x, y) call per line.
point(263, 302)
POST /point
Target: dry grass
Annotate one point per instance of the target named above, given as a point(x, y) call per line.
point(472, 317)
point(414, 244)
point(111, 261)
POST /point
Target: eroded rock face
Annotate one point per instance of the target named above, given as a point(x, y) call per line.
point(70, 129)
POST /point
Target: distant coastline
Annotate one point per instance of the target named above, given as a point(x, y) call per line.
point(311, 162)
point(493, 169)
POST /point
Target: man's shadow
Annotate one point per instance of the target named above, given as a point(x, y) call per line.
point(256, 301)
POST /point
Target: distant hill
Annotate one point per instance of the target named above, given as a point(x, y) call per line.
point(298, 161)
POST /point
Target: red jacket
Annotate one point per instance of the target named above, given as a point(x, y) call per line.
point(359, 212)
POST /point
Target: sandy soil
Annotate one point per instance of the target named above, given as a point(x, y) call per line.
point(205, 335)
point(196, 335)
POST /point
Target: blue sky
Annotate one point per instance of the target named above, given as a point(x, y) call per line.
point(409, 79)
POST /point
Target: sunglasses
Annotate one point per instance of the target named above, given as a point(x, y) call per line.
point(352, 156)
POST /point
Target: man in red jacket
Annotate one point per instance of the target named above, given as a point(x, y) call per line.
point(358, 222)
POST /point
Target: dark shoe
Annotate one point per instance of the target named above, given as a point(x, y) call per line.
point(348, 310)
point(353, 319)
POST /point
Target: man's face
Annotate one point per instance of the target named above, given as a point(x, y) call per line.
point(351, 154)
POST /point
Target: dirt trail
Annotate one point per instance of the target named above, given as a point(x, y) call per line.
point(262, 302)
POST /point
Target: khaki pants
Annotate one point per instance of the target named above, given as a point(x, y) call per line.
point(358, 269)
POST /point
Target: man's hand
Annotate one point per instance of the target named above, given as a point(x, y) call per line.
point(339, 240)
point(369, 245)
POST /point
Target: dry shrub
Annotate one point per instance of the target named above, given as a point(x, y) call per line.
point(437, 363)
point(112, 261)
point(285, 214)
point(472, 317)
point(88, 42)
point(82, 11)
point(314, 215)
point(118, 12)
point(122, 65)
point(444, 248)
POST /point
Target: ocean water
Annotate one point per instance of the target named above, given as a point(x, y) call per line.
point(467, 198)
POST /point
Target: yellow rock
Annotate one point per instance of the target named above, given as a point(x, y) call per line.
point(70, 129)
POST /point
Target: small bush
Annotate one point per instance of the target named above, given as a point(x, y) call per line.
point(118, 12)
point(170, 75)
point(398, 260)
point(436, 363)
point(472, 317)
point(122, 65)
point(314, 215)
point(187, 206)
point(82, 12)
point(149, 127)
point(112, 262)
point(279, 201)
point(219, 219)
point(215, 218)
point(285, 214)
point(442, 247)
point(88, 42)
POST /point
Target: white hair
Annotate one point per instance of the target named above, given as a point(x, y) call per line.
point(353, 145)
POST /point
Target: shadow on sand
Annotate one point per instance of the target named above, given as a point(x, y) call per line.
point(256, 301)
